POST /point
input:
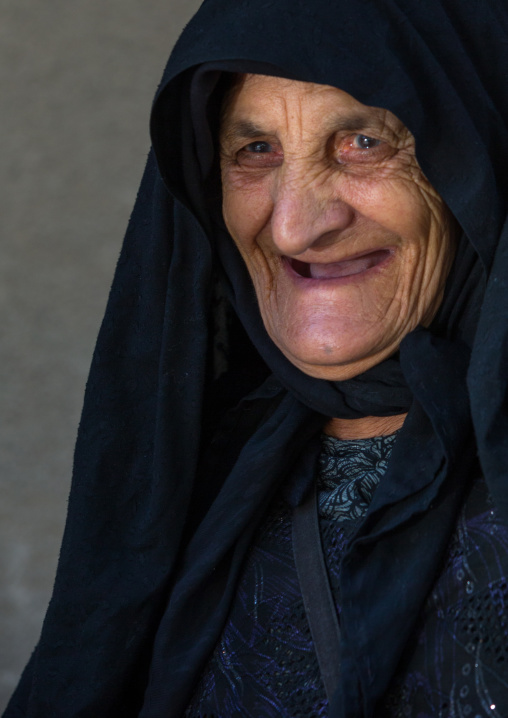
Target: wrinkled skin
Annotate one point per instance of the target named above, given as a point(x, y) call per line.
point(347, 243)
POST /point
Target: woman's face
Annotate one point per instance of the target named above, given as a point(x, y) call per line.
point(347, 243)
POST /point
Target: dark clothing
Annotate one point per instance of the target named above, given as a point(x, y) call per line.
point(183, 444)
point(456, 661)
point(264, 663)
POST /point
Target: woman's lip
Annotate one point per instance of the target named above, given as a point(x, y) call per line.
point(348, 267)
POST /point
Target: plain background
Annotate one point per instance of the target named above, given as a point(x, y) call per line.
point(76, 82)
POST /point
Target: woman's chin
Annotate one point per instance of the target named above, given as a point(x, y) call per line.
point(332, 361)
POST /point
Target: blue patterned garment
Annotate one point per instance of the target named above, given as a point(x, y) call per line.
point(264, 665)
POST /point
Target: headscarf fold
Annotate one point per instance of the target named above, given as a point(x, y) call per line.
point(182, 445)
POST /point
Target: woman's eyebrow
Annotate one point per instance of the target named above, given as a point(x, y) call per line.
point(241, 129)
point(355, 122)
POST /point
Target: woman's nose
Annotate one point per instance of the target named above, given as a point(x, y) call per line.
point(307, 212)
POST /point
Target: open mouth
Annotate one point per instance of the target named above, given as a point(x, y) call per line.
point(336, 270)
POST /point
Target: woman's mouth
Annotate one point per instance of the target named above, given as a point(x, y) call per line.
point(337, 270)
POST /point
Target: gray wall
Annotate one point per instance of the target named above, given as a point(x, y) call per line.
point(76, 83)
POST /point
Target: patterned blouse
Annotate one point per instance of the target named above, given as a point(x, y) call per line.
point(456, 664)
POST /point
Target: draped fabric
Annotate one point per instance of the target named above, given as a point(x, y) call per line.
point(191, 421)
point(264, 663)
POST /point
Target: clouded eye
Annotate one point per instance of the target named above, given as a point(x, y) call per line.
point(258, 147)
point(362, 149)
point(363, 142)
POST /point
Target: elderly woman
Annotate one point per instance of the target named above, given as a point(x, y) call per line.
point(290, 494)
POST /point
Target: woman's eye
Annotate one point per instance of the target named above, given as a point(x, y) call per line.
point(260, 154)
point(363, 142)
point(362, 149)
point(258, 147)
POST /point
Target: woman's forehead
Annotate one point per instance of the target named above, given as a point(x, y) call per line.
point(255, 104)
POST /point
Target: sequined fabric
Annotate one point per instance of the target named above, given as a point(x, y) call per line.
point(457, 663)
point(264, 665)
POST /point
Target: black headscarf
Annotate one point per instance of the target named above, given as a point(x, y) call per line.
point(180, 451)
